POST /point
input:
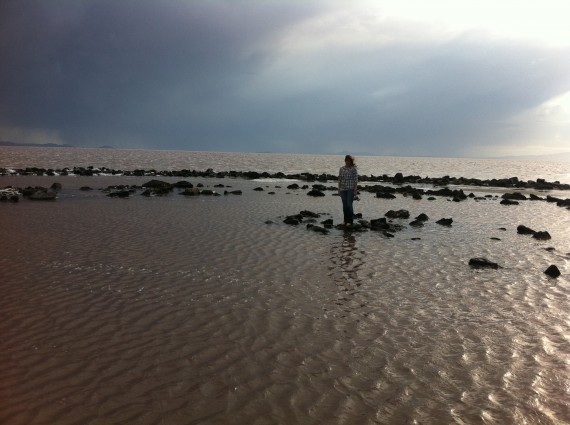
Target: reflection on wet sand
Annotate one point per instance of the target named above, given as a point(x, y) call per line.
point(346, 261)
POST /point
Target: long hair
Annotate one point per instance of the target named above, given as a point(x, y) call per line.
point(350, 159)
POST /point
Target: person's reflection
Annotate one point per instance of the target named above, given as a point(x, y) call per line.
point(346, 262)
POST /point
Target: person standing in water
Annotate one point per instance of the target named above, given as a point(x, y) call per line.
point(347, 188)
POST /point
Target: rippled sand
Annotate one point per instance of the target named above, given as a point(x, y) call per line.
point(195, 311)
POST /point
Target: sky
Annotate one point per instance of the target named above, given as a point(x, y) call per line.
point(451, 78)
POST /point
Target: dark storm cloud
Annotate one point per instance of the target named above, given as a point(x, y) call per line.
point(94, 67)
point(221, 75)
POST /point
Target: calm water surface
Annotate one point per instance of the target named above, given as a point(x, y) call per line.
point(210, 310)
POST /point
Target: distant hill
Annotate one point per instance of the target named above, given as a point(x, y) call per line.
point(36, 145)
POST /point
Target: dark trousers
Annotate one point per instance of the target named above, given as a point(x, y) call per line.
point(347, 197)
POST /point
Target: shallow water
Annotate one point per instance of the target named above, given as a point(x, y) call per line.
point(480, 168)
point(178, 310)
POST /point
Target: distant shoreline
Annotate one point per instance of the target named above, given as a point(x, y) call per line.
point(44, 145)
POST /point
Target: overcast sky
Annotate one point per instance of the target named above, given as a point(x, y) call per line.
point(396, 77)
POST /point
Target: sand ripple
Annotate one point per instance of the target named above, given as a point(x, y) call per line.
point(179, 311)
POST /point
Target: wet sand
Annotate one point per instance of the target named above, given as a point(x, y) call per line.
point(183, 310)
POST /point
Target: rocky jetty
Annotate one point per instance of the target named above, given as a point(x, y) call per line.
point(398, 179)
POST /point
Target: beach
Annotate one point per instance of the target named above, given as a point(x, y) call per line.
point(211, 310)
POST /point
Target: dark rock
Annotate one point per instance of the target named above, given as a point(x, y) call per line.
point(398, 214)
point(56, 187)
point(315, 193)
point(508, 202)
point(417, 223)
point(85, 188)
point(385, 195)
point(306, 213)
point(523, 230)
point(552, 271)
point(515, 196)
point(293, 186)
point(398, 178)
point(542, 235)
point(319, 187)
point(183, 184)
point(431, 198)
point(534, 197)
point(209, 192)
point(259, 189)
point(495, 239)
point(157, 191)
point(482, 263)
point(292, 220)
point(422, 217)
point(157, 184)
point(445, 221)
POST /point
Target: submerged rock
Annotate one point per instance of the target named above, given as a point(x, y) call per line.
point(119, 194)
point(509, 202)
point(381, 224)
point(194, 191)
point(398, 214)
point(42, 194)
point(482, 263)
point(317, 229)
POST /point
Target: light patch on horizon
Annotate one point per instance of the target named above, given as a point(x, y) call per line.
point(549, 135)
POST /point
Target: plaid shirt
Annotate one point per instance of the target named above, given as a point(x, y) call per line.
point(347, 178)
